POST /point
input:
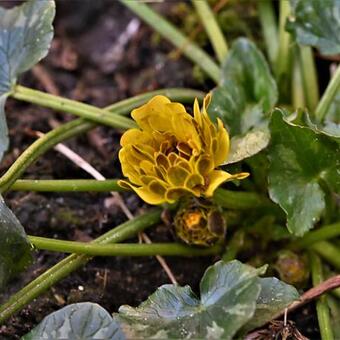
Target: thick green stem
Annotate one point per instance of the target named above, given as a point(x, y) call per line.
point(86, 111)
point(332, 90)
point(321, 305)
point(234, 246)
point(225, 198)
point(79, 126)
point(212, 28)
point(315, 236)
point(328, 251)
point(283, 60)
point(238, 199)
point(269, 28)
point(66, 185)
point(309, 77)
point(171, 33)
point(73, 262)
point(124, 249)
point(298, 94)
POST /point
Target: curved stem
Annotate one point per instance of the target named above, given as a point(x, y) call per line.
point(78, 126)
point(212, 28)
point(86, 111)
point(328, 251)
point(73, 262)
point(124, 249)
point(321, 305)
point(331, 91)
point(314, 236)
point(269, 28)
point(171, 33)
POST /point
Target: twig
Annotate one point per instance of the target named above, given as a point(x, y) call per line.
point(46, 80)
point(83, 164)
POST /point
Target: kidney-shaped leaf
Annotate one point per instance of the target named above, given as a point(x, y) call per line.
point(316, 23)
point(274, 297)
point(301, 159)
point(85, 321)
point(228, 300)
point(244, 97)
point(25, 36)
point(247, 89)
point(15, 250)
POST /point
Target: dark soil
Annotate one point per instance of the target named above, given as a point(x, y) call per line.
point(82, 66)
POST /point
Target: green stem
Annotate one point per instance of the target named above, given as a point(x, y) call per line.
point(283, 60)
point(234, 246)
point(65, 185)
point(298, 95)
point(171, 33)
point(225, 198)
point(329, 95)
point(73, 262)
point(212, 28)
point(41, 145)
point(309, 77)
point(239, 200)
point(86, 111)
point(80, 126)
point(322, 234)
point(125, 249)
point(329, 252)
point(269, 28)
point(321, 305)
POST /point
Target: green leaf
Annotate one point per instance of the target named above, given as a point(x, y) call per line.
point(302, 162)
point(228, 300)
point(15, 250)
point(275, 296)
point(316, 23)
point(247, 90)
point(25, 36)
point(84, 321)
point(246, 94)
point(251, 143)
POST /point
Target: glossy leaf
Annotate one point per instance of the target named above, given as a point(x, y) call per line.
point(245, 96)
point(84, 321)
point(25, 36)
point(14, 246)
point(275, 296)
point(316, 23)
point(228, 300)
point(301, 160)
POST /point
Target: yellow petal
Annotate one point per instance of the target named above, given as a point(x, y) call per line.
point(147, 195)
point(154, 107)
point(217, 177)
point(197, 113)
point(223, 144)
point(135, 136)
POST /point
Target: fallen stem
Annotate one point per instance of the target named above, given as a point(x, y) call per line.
point(212, 28)
point(79, 126)
point(328, 96)
point(73, 262)
point(125, 249)
point(171, 33)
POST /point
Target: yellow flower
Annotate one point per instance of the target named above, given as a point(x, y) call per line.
point(173, 153)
